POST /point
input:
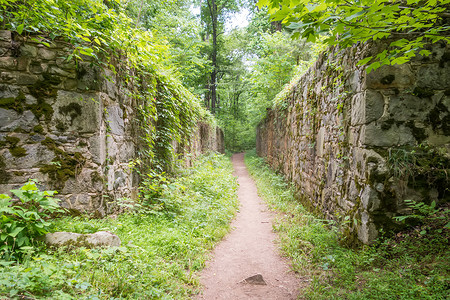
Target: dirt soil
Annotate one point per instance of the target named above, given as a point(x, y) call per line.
point(247, 251)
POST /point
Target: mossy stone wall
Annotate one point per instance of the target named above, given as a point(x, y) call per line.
point(340, 132)
point(71, 126)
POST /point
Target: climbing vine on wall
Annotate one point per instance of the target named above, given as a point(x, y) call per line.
point(101, 32)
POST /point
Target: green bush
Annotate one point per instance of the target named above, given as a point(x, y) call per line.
point(25, 219)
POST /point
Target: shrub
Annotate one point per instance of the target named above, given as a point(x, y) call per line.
point(25, 219)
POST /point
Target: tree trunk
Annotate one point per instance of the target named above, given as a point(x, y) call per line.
point(213, 82)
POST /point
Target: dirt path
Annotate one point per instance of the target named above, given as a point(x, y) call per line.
point(248, 250)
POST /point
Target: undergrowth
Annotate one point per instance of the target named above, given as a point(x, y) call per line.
point(161, 250)
point(411, 265)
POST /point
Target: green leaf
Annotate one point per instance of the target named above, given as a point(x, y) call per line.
point(16, 231)
point(364, 61)
point(20, 28)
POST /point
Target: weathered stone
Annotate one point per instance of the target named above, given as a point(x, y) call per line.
point(76, 112)
point(11, 120)
point(28, 50)
point(255, 280)
point(26, 79)
point(97, 147)
point(70, 84)
point(369, 199)
point(30, 100)
point(374, 106)
point(367, 231)
point(8, 63)
point(395, 135)
point(98, 239)
point(433, 77)
point(22, 63)
point(36, 156)
point(38, 67)
point(88, 77)
point(397, 76)
point(115, 120)
point(46, 54)
point(57, 71)
point(5, 36)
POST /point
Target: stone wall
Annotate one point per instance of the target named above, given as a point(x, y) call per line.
point(72, 127)
point(356, 145)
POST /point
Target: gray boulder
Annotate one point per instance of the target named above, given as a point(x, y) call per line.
point(98, 239)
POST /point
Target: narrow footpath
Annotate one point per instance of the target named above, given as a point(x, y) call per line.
point(247, 251)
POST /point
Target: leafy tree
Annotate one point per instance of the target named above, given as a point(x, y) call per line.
point(410, 23)
point(213, 16)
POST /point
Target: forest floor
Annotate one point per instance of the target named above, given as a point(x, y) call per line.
point(247, 251)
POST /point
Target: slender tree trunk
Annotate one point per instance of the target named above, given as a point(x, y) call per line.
point(213, 83)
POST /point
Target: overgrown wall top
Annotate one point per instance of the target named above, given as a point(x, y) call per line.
point(356, 145)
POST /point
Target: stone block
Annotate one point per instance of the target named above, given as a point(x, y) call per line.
point(397, 76)
point(85, 181)
point(374, 106)
point(375, 135)
point(127, 151)
point(65, 64)
point(76, 113)
point(433, 77)
point(37, 155)
point(358, 112)
point(70, 84)
point(5, 36)
point(28, 50)
point(367, 231)
point(98, 239)
point(8, 63)
point(11, 120)
point(26, 79)
point(62, 73)
point(369, 199)
point(47, 54)
point(97, 147)
point(22, 63)
point(37, 67)
point(8, 91)
point(88, 77)
point(115, 121)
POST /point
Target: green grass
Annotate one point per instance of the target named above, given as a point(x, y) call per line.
point(161, 251)
point(411, 265)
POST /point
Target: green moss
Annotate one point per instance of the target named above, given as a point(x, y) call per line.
point(18, 151)
point(12, 140)
point(38, 129)
point(4, 176)
point(60, 126)
point(423, 92)
point(18, 173)
point(41, 108)
point(96, 177)
point(418, 133)
point(439, 118)
point(13, 103)
point(64, 166)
